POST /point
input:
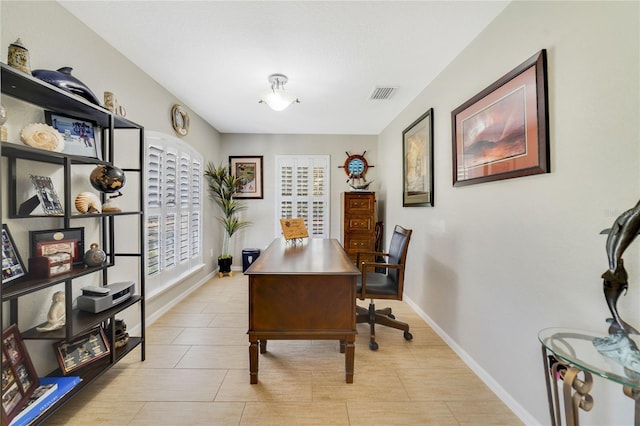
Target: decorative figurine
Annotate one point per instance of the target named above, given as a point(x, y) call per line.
point(18, 57)
point(88, 202)
point(63, 79)
point(618, 345)
point(56, 315)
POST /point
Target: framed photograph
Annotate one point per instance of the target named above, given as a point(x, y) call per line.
point(503, 132)
point(47, 195)
point(19, 378)
point(12, 266)
point(53, 242)
point(417, 162)
point(249, 168)
point(80, 136)
point(82, 351)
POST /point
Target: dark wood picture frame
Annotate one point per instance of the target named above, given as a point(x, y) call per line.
point(12, 265)
point(249, 168)
point(19, 378)
point(47, 195)
point(81, 137)
point(417, 162)
point(503, 131)
point(66, 240)
point(82, 350)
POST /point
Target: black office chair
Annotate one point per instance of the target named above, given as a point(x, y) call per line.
point(381, 280)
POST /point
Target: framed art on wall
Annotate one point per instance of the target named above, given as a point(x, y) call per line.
point(80, 136)
point(503, 132)
point(417, 162)
point(249, 168)
point(12, 266)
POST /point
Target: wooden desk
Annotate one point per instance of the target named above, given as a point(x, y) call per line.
point(302, 292)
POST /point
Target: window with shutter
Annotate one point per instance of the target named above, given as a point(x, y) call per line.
point(302, 183)
point(173, 198)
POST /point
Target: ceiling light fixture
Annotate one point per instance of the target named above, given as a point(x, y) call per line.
point(276, 97)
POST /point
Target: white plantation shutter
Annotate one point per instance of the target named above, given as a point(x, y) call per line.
point(302, 183)
point(173, 198)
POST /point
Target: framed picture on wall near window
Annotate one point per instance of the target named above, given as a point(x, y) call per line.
point(250, 169)
point(503, 131)
point(417, 162)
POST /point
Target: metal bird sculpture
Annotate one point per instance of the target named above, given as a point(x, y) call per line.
point(622, 233)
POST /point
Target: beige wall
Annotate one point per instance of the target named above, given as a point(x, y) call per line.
point(55, 39)
point(492, 264)
point(262, 212)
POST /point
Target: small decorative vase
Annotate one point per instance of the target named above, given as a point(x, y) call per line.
point(19, 57)
point(95, 256)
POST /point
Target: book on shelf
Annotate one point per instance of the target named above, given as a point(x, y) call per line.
point(51, 389)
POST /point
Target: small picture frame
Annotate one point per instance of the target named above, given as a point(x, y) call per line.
point(55, 241)
point(250, 169)
point(80, 136)
point(12, 265)
point(47, 195)
point(19, 378)
point(82, 350)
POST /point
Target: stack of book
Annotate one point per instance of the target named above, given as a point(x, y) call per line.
point(51, 389)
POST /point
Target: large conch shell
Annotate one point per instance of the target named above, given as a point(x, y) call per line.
point(88, 202)
point(42, 136)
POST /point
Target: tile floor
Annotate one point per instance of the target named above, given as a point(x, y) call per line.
point(197, 373)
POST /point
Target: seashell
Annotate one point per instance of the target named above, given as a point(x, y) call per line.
point(88, 202)
point(42, 136)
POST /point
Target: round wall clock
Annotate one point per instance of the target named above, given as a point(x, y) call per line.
point(356, 166)
point(180, 119)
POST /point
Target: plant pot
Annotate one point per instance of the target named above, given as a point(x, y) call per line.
point(225, 264)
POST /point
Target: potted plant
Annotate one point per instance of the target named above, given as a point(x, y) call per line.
point(222, 186)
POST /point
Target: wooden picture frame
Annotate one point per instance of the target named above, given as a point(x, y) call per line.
point(51, 241)
point(47, 195)
point(82, 350)
point(503, 131)
point(12, 264)
point(417, 162)
point(19, 378)
point(249, 168)
point(80, 136)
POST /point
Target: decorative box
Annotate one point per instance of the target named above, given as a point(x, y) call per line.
point(49, 266)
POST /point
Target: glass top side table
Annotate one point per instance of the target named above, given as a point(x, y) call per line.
point(573, 360)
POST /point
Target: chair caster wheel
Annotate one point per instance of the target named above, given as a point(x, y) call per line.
point(391, 316)
point(408, 336)
point(373, 346)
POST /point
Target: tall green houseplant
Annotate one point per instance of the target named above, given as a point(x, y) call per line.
point(222, 186)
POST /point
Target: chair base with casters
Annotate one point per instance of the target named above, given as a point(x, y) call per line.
point(382, 317)
point(380, 280)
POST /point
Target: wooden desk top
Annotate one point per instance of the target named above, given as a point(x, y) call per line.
point(311, 257)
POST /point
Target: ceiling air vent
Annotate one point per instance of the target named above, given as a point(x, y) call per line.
point(382, 93)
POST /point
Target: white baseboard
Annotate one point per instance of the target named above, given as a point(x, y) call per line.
point(488, 380)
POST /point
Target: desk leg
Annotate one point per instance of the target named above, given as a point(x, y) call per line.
point(343, 345)
point(635, 395)
point(349, 356)
point(253, 361)
point(263, 346)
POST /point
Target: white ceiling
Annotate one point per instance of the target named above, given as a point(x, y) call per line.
point(215, 56)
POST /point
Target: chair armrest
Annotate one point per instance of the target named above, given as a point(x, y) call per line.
point(370, 253)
